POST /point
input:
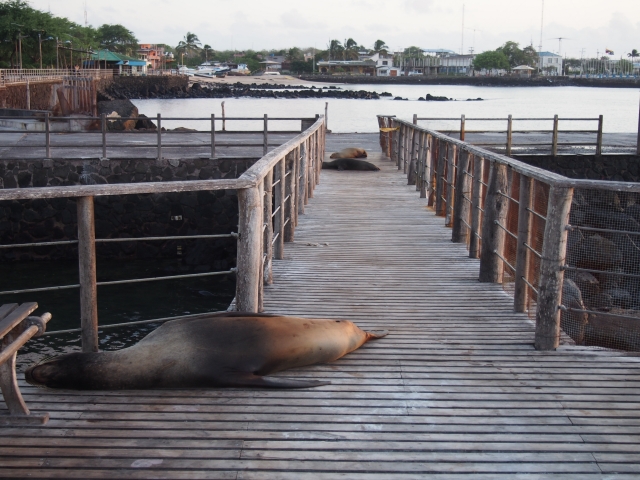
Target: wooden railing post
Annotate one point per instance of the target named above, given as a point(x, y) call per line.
point(295, 193)
point(47, 137)
point(249, 263)
point(410, 166)
point(290, 204)
point(265, 135)
point(554, 138)
point(638, 142)
point(462, 127)
point(421, 155)
point(495, 212)
point(426, 166)
point(460, 204)
point(452, 151)
point(432, 163)
point(553, 252)
point(599, 140)
point(415, 119)
point(522, 252)
point(476, 201)
point(278, 220)
point(158, 122)
point(268, 228)
point(213, 136)
point(103, 129)
point(439, 203)
point(87, 274)
point(306, 182)
point(509, 135)
point(401, 146)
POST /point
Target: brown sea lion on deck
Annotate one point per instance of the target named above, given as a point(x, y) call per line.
point(350, 153)
point(215, 350)
point(349, 164)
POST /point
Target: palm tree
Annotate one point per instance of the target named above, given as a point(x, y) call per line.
point(350, 51)
point(189, 43)
point(206, 49)
point(380, 47)
point(335, 49)
point(634, 53)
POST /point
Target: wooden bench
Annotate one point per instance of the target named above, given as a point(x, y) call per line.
point(16, 329)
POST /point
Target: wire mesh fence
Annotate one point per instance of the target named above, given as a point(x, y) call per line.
point(601, 292)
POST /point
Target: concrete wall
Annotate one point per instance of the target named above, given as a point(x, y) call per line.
point(606, 167)
point(124, 216)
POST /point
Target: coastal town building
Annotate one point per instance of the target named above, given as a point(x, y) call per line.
point(119, 63)
point(550, 63)
point(373, 65)
point(152, 54)
point(456, 64)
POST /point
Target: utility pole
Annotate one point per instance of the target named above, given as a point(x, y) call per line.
point(462, 34)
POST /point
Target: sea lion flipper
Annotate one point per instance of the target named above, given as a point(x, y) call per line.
point(372, 334)
point(250, 380)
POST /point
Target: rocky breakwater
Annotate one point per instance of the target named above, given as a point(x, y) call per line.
point(237, 90)
point(604, 243)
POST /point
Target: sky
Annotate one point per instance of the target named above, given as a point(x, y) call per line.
point(588, 27)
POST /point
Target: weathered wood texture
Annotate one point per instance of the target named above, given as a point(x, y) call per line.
point(456, 391)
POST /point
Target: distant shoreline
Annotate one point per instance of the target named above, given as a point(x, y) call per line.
point(478, 81)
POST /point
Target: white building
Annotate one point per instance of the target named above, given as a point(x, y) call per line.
point(456, 65)
point(550, 63)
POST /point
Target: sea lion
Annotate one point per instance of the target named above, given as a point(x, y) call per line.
point(350, 153)
point(215, 350)
point(349, 164)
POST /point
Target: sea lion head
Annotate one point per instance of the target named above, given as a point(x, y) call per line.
point(65, 371)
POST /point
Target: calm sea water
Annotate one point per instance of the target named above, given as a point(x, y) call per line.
point(618, 105)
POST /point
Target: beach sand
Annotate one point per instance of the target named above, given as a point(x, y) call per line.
point(259, 79)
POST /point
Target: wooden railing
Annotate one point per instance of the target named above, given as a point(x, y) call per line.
point(512, 216)
point(271, 194)
point(553, 142)
point(10, 76)
point(16, 329)
point(100, 145)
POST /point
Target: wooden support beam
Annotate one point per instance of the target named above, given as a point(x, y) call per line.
point(87, 270)
point(495, 212)
point(249, 263)
point(554, 249)
point(452, 153)
point(278, 220)
point(522, 252)
point(411, 166)
point(599, 139)
point(268, 228)
point(439, 202)
point(461, 206)
point(290, 204)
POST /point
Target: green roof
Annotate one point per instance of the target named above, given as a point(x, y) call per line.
point(106, 55)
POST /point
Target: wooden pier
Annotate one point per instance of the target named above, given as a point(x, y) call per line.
point(455, 391)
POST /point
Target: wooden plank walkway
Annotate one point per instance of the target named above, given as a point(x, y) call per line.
point(456, 391)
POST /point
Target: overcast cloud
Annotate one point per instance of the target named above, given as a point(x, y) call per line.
point(260, 24)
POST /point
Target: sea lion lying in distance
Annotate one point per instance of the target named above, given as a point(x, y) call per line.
point(350, 153)
point(349, 164)
point(214, 350)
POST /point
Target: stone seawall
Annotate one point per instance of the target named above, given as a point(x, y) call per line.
point(124, 216)
point(143, 87)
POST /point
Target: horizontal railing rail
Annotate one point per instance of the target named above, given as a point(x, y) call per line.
point(513, 217)
point(9, 76)
point(509, 131)
point(49, 133)
point(271, 194)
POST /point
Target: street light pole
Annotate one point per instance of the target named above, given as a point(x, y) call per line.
point(40, 48)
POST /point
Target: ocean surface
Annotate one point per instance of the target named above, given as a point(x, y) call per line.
point(618, 105)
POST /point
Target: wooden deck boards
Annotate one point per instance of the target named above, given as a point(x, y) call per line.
point(456, 391)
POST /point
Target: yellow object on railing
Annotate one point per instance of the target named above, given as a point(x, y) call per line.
point(389, 129)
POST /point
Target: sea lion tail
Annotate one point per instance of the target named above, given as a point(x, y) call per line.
point(250, 380)
point(372, 335)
